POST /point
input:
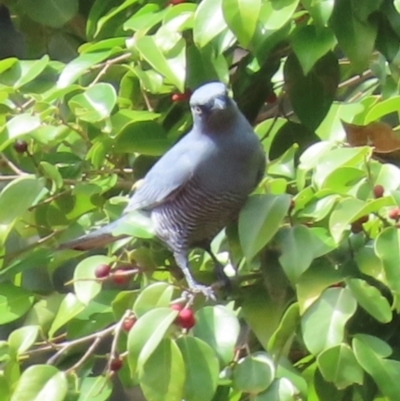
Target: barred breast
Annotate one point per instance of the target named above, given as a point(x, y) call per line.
point(194, 216)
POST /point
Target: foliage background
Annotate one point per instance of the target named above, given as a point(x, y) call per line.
point(98, 90)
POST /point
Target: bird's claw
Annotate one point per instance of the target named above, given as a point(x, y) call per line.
point(195, 289)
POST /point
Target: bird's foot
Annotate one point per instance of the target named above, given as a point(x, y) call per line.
point(207, 291)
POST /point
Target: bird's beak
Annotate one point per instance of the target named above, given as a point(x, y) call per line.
point(219, 104)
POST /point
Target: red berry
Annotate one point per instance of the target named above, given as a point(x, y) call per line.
point(394, 213)
point(181, 97)
point(116, 364)
point(102, 271)
point(186, 319)
point(174, 2)
point(20, 146)
point(120, 277)
point(378, 191)
point(128, 323)
point(271, 98)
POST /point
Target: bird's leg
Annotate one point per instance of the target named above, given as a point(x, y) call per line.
point(183, 263)
point(218, 268)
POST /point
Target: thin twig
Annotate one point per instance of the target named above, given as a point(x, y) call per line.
point(70, 344)
point(85, 356)
point(117, 333)
point(11, 165)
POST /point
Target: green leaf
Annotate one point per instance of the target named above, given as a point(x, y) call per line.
point(95, 104)
point(24, 72)
point(387, 247)
point(53, 13)
point(310, 44)
point(339, 366)
point(95, 389)
point(135, 224)
point(242, 18)
point(208, 22)
point(327, 316)
point(41, 381)
point(356, 37)
point(276, 13)
point(371, 299)
point(319, 10)
point(202, 369)
point(78, 66)
point(318, 208)
point(346, 211)
point(284, 165)
point(145, 18)
point(69, 308)
point(14, 302)
point(285, 331)
point(50, 171)
point(254, 373)
point(296, 251)
point(382, 108)
point(384, 372)
point(146, 335)
point(314, 281)
point(262, 313)
point(280, 390)
point(19, 125)
point(162, 377)
point(145, 137)
point(312, 95)
point(44, 311)
point(86, 286)
point(172, 68)
point(259, 220)
point(21, 194)
point(20, 340)
point(219, 328)
point(107, 17)
point(154, 296)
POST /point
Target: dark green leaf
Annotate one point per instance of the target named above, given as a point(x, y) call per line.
point(355, 36)
point(38, 380)
point(14, 302)
point(154, 296)
point(259, 220)
point(241, 17)
point(327, 316)
point(312, 94)
point(339, 366)
point(219, 328)
point(254, 373)
point(146, 335)
point(310, 44)
point(202, 369)
point(162, 377)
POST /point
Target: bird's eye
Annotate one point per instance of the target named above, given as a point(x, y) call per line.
point(197, 109)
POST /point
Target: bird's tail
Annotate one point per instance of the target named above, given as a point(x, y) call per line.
point(95, 239)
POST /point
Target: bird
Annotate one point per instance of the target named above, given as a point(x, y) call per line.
point(199, 185)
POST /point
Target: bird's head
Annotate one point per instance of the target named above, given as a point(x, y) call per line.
point(211, 105)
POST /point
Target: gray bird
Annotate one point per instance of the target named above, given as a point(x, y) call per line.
point(199, 186)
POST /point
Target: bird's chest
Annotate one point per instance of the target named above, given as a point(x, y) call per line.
point(195, 215)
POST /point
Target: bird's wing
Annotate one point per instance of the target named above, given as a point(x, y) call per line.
point(166, 177)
